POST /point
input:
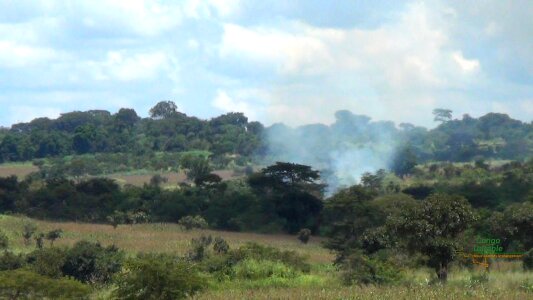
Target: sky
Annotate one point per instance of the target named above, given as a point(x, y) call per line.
point(295, 62)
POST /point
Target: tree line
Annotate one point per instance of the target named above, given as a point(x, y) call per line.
point(492, 136)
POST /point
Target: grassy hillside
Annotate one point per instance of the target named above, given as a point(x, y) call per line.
point(505, 281)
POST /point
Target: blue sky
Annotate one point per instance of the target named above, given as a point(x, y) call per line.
point(278, 61)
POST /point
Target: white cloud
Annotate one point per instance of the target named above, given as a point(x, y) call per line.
point(26, 113)
point(395, 71)
point(465, 64)
point(123, 67)
point(225, 103)
point(15, 55)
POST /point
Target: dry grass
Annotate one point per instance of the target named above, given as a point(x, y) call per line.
point(156, 237)
point(173, 177)
point(18, 169)
point(370, 292)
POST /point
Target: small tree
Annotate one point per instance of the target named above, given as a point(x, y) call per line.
point(220, 246)
point(200, 248)
point(158, 276)
point(4, 241)
point(432, 228)
point(28, 231)
point(39, 240)
point(304, 235)
point(190, 222)
point(442, 115)
point(23, 284)
point(53, 235)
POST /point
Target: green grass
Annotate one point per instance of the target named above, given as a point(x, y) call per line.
point(505, 280)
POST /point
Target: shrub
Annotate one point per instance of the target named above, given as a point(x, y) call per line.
point(304, 235)
point(190, 222)
point(252, 269)
point(259, 252)
point(27, 232)
point(53, 235)
point(48, 262)
point(4, 241)
point(90, 262)
point(23, 284)
point(39, 240)
point(10, 261)
point(220, 246)
point(157, 276)
point(200, 247)
point(527, 260)
point(358, 268)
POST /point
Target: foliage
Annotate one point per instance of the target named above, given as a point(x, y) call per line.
point(190, 222)
point(304, 235)
point(151, 276)
point(220, 246)
point(22, 284)
point(292, 192)
point(48, 261)
point(91, 262)
point(252, 269)
point(28, 230)
point(53, 235)
point(200, 248)
point(432, 228)
point(4, 241)
point(358, 268)
point(11, 261)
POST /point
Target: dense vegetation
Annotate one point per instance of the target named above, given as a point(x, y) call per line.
point(419, 213)
point(494, 136)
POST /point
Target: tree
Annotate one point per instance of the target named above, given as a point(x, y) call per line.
point(53, 235)
point(432, 228)
point(348, 215)
point(39, 240)
point(442, 115)
point(304, 235)
point(163, 110)
point(158, 276)
point(4, 241)
point(23, 284)
point(197, 166)
point(292, 192)
point(190, 222)
point(90, 262)
point(27, 232)
point(404, 161)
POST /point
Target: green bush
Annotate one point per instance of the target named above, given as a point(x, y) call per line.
point(157, 276)
point(200, 248)
point(90, 262)
point(358, 268)
point(10, 261)
point(259, 252)
point(4, 241)
point(23, 284)
point(48, 261)
point(252, 269)
point(220, 246)
point(304, 235)
point(190, 222)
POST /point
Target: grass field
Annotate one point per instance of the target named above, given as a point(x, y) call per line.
point(18, 169)
point(506, 281)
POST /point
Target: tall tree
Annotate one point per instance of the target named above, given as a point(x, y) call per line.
point(432, 228)
point(442, 115)
point(163, 110)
